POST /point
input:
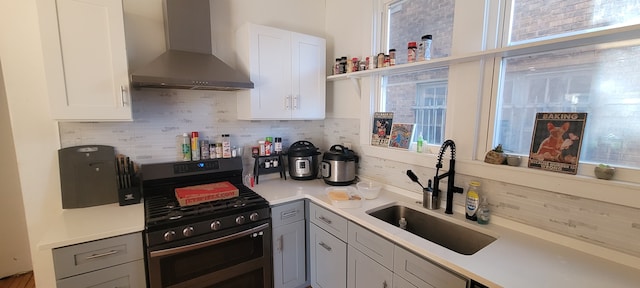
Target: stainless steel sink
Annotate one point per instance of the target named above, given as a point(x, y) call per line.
point(450, 235)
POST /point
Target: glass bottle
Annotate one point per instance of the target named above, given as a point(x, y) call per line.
point(484, 213)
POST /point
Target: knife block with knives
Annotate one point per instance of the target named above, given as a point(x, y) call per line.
point(128, 181)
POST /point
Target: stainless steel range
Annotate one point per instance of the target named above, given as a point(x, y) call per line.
point(224, 243)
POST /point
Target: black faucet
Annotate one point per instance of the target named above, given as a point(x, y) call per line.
point(451, 188)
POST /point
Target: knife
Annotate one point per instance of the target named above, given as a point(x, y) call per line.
point(127, 173)
point(118, 169)
point(122, 172)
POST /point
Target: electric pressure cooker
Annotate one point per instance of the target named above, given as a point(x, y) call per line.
point(339, 166)
point(303, 160)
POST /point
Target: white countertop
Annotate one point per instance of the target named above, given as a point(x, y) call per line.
point(515, 259)
point(73, 226)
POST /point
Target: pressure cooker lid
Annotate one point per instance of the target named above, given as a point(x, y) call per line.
point(302, 149)
point(339, 153)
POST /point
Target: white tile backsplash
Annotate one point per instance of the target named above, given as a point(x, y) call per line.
point(161, 115)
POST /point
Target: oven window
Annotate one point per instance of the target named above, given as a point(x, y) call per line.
point(186, 266)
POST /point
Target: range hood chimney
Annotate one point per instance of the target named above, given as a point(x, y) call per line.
point(189, 62)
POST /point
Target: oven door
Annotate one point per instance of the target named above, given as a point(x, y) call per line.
point(241, 259)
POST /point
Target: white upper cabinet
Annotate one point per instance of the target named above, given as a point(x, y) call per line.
point(288, 71)
point(85, 59)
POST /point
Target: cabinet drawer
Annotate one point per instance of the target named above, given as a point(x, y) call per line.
point(372, 245)
point(287, 213)
point(129, 275)
point(95, 255)
point(423, 273)
point(328, 221)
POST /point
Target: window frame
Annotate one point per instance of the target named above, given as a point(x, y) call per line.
point(477, 53)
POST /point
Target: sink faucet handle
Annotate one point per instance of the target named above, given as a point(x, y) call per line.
point(457, 189)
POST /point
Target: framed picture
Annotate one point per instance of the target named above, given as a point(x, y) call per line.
point(401, 134)
point(556, 141)
point(381, 128)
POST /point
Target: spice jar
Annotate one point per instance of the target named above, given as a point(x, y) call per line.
point(277, 147)
point(226, 146)
point(380, 60)
point(424, 51)
point(268, 146)
point(411, 52)
point(392, 57)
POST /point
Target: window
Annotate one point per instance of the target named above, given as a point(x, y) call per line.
point(430, 111)
point(419, 97)
point(533, 20)
point(601, 80)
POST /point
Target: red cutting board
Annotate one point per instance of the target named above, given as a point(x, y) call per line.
point(192, 195)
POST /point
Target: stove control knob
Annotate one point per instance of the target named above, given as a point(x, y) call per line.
point(215, 225)
point(254, 216)
point(187, 231)
point(240, 220)
point(169, 235)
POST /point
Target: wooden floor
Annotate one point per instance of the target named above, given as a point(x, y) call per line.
point(18, 281)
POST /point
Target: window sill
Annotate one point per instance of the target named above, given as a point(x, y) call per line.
point(624, 193)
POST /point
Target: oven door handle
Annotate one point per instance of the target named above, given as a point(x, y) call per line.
point(195, 246)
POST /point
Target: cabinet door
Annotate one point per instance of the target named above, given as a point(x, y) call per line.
point(422, 273)
point(367, 273)
point(309, 77)
point(128, 275)
point(289, 261)
point(269, 66)
point(87, 63)
point(328, 259)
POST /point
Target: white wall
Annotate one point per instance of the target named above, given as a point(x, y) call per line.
point(34, 133)
point(14, 246)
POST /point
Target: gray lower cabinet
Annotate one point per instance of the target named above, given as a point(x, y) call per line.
point(289, 245)
point(110, 262)
point(328, 250)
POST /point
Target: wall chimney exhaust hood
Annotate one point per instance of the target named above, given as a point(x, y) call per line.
point(189, 62)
